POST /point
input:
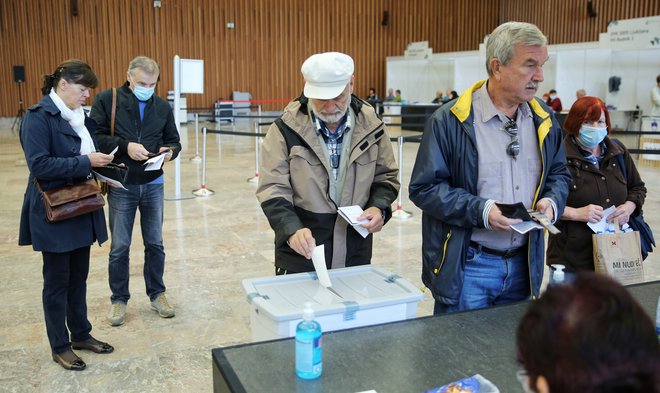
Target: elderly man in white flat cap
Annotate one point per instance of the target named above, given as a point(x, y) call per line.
point(328, 150)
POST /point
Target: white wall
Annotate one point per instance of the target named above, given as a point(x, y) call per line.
point(418, 80)
point(569, 68)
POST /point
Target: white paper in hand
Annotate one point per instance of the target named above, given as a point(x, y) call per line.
point(602, 225)
point(318, 258)
point(112, 182)
point(155, 163)
point(350, 214)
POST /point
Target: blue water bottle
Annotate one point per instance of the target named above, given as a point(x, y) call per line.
point(308, 346)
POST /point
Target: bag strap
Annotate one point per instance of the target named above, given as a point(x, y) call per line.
point(36, 183)
point(114, 111)
point(619, 158)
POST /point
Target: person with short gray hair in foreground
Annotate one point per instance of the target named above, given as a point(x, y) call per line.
point(495, 144)
point(328, 150)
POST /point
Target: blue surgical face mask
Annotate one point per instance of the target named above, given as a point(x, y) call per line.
point(590, 137)
point(143, 93)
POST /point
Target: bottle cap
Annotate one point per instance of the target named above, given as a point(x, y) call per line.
point(558, 273)
point(308, 312)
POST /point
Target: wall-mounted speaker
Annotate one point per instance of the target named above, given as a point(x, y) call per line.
point(590, 9)
point(386, 18)
point(74, 7)
point(19, 73)
point(613, 84)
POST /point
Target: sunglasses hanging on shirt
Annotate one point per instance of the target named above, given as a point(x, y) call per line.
point(511, 128)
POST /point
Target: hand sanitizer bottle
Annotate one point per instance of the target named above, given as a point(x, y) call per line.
point(308, 345)
point(557, 274)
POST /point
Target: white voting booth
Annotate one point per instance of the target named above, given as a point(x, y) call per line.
point(188, 78)
point(629, 49)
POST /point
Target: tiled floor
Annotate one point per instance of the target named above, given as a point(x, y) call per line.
point(211, 243)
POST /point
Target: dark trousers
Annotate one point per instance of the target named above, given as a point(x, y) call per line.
point(65, 297)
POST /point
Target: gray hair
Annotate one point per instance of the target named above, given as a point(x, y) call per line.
point(145, 64)
point(503, 40)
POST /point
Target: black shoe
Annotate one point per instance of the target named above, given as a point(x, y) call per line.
point(93, 345)
point(69, 360)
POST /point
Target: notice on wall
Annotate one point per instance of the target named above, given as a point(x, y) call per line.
point(418, 50)
point(192, 76)
point(638, 33)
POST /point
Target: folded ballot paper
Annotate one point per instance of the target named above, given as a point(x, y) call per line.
point(318, 258)
point(113, 174)
point(603, 226)
point(350, 214)
point(473, 384)
point(156, 161)
point(531, 218)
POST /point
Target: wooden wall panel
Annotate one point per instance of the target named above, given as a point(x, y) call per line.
point(271, 38)
point(567, 21)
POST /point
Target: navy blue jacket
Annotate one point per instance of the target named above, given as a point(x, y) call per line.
point(156, 130)
point(52, 152)
point(444, 185)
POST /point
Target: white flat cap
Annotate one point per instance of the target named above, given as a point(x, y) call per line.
point(326, 74)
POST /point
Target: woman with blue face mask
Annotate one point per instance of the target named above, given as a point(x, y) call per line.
point(597, 184)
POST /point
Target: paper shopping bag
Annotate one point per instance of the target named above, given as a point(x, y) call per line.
point(619, 255)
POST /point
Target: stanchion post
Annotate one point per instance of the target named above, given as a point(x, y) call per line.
point(203, 191)
point(177, 121)
point(255, 179)
point(399, 212)
point(197, 158)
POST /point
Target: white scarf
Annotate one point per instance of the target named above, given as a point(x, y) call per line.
point(76, 118)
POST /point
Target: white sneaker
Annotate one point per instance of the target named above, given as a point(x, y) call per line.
point(162, 305)
point(117, 314)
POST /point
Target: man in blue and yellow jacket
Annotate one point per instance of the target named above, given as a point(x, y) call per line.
point(496, 143)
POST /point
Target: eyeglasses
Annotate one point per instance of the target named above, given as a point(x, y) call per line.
point(511, 128)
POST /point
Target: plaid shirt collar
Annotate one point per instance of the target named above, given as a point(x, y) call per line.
point(322, 128)
point(589, 155)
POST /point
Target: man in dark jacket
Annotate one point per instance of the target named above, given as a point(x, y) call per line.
point(144, 126)
point(495, 143)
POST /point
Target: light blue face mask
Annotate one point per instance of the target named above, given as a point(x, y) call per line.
point(143, 93)
point(590, 137)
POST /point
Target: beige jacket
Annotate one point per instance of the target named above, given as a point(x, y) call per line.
point(294, 184)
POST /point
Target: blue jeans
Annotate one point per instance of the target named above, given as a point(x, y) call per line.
point(490, 280)
point(123, 204)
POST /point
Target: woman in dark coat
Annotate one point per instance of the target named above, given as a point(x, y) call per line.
point(59, 150)
point(597, 184)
